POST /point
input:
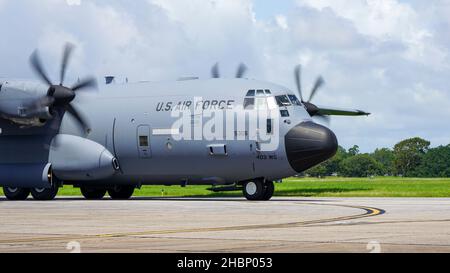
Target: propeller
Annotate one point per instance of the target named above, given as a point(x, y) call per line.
point(58, 95)
point(240, 73)
point(215, 71)
point(312, 109)
point(242, 69)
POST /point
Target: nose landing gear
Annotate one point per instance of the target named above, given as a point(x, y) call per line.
point(258, 190)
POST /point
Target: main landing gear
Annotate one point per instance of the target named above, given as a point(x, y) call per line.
point(258, 190)
point(16, 194)
point(45, 194)
point(121, 192)
point(93, 193)
point(116, 193)
point(20, 194)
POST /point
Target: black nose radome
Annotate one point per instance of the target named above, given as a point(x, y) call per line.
point(309, 144)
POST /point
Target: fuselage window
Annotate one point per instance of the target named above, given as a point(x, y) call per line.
point(143, 141)
point(283, 101)
point(251, 93)
point(284, 113)
point(294, 100)
point(249, 103)
point(269, 126)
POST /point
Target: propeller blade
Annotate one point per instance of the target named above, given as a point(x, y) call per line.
point(55, 126)
point(298, 80)
point(241, 71)
point(38, 68)
point(317, 85)
point(78, 117)
point(86, 83)
point(68, 49)
point(215, 71)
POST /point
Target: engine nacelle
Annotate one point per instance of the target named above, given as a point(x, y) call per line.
point(16, 96)
point(26, 175)
point(78, 159)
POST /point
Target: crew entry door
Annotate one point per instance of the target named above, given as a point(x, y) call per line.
point(143, 141)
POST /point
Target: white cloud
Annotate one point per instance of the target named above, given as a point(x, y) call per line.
point(385, 56)
point(389, 20)
point(282, 21)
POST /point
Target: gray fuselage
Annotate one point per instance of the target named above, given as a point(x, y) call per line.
point(135, 122)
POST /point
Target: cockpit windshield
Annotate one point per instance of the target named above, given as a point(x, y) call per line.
point(294, 100)
point(263, 99)
point(283, 101)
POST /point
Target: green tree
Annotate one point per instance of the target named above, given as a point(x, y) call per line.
point(435, 163)
point(353, 150)
point(329, 167)
point(386, 157)
point(333, 165)
point(361, 165)
point(318, 171)
point(408, 155)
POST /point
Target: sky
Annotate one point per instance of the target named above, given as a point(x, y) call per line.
point(387, 57)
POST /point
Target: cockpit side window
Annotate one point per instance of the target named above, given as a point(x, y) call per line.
point(260, 99)
point(294, 100)
point(261, 103)
point(283, 101)
point(249, 103)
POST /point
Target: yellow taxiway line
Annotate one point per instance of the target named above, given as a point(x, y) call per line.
point(369, 212)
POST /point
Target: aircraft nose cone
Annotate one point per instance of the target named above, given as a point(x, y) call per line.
point(309, 144)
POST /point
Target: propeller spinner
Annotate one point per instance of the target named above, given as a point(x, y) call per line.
point(60, 96)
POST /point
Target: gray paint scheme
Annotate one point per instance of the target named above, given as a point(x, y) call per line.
point(188, 161)
point(76, 158)
point(115, 114)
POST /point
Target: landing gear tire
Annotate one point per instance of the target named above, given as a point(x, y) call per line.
point(16, 194)
point(93, 193)
point(269, 191)
point(254, 190)
point(45, 194)
point(121, 193)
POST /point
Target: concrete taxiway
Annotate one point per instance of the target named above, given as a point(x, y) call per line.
point(227, 225)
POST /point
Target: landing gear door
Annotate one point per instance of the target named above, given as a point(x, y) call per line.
point(143, 141)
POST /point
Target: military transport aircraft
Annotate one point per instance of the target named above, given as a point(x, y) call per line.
point(128, 139)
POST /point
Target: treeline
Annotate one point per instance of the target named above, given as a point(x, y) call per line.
point(409, 158)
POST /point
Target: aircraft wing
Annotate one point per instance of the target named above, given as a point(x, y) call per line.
point(328, 111)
